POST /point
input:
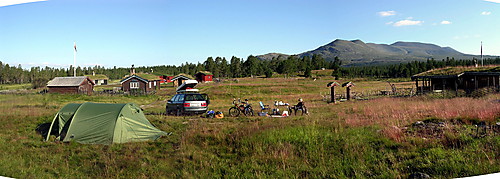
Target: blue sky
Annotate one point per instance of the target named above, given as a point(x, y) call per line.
point(171, 32)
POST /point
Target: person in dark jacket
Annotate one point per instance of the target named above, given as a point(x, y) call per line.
point(300, 106)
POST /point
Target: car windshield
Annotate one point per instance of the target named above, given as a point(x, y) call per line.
point(195, 97)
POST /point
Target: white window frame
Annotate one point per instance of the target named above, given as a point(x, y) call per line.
point(150, 84)
point(134, 85)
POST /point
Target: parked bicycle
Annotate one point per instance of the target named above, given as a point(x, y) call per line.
point(241, 107)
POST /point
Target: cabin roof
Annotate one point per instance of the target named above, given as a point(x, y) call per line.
point(182, 76)
point(141, 76)
point(453, 72)
point(205, 72)
point(98, 77)
point(68, 81)
point(148, 76)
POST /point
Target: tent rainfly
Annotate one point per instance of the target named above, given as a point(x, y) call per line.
point(99, 123)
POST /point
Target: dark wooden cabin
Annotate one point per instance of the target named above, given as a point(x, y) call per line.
point(71, 85)
point(145, 83)
point(455, 79)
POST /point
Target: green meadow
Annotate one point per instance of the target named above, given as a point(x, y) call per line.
point(371, 137)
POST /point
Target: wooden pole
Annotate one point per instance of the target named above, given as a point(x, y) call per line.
point(348, 95)
point(476, 84)
point(422, 87)
point(332, 93)
point(416, 84)
point(444, 85)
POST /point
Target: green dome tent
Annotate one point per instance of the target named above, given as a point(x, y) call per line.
point(98, 123)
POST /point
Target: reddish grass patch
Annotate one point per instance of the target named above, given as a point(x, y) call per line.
point(403, 111)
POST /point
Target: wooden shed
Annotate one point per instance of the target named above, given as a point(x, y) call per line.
point(204, 76)
point(467, 79)
point(180, 78)
point(141, 83)
point(71, 85)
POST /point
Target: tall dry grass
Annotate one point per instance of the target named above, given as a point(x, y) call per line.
point(404, 111)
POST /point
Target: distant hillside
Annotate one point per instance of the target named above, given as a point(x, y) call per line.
point(271, 56)
point(356, 52)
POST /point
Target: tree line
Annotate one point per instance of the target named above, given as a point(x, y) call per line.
point(405, 70)
point(236, 67)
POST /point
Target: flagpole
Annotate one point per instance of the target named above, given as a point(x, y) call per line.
point(482, 64)
point(74, 60)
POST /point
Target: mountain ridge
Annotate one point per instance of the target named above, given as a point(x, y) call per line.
point(356, 52)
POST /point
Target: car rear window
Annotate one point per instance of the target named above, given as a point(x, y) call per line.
point(194, 97)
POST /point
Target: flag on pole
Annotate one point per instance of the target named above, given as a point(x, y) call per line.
point(74, 61)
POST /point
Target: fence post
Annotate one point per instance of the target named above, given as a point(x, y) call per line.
point(332, 85)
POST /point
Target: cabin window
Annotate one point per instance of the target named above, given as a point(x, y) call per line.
point(155, 83)
point(150, 84)
point(134, 85)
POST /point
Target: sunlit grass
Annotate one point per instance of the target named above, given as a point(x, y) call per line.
point(354, 139)
point(15, 86)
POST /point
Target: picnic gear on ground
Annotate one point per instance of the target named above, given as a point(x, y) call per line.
point(100, 123)
point(280, 103)
point(264, 107)
point(210, 114)
point(263, 114)
point(219, 115)
point(285, 113)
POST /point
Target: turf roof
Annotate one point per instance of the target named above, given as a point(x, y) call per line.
point(147, 76)
point(97, 77)
point(454, 71)
point(183, 74)
point(206, 72)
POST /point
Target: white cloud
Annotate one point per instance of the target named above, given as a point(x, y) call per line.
point(14, 2)
point(495, 1)
point(386, 13)
point(445, 22)
point(464, 37)
point(485, 13)
point(389, 23)
point(407, 22)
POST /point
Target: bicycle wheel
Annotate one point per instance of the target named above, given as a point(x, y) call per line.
point(234, 112)
point(249, 111)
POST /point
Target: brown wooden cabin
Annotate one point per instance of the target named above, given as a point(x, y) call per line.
point(458, 78)
point(180, 78)
point(71, 85)
point(141, 83)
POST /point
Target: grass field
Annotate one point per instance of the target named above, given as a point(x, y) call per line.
point(14, 86)
point(373, 138)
